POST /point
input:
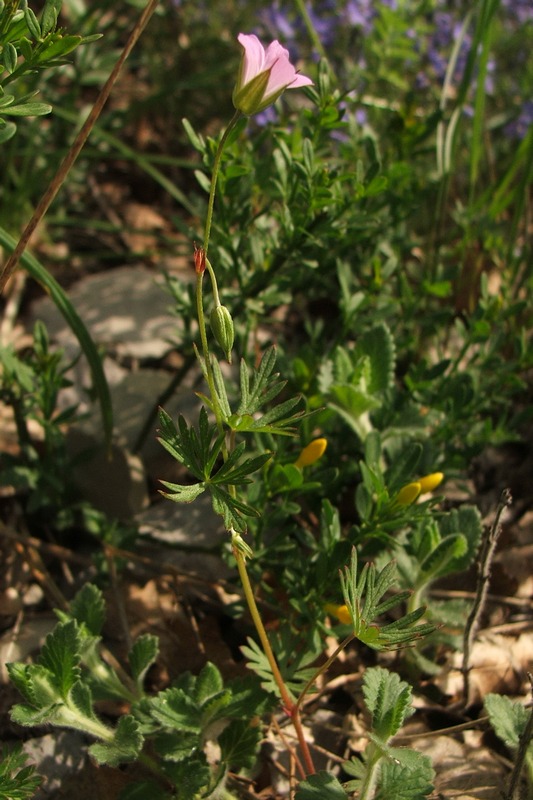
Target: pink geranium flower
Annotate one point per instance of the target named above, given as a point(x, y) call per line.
point(264, 74)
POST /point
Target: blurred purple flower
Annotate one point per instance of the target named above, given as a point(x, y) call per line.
point(518, 128)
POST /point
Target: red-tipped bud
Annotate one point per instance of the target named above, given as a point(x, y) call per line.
point(199, 259)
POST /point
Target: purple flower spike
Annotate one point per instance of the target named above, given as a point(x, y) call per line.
point(264, 74)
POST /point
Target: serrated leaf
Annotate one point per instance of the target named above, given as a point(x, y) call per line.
point(378, 345)
point(81, 699)
point(20, 676)
point(388, 700)
point(411, 781)
point(190, 777)
point(208, 684)
point(126, 744)
point(177, 745)
point(508, 718)
point(174, 709)
point(142, 655)
point(88, 607)
point(60, 656)
point(439, 562)
point(239, 744)
point(320, 786)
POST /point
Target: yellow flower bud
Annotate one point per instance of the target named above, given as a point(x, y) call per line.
point(311, 453)
point(340, 612)
point(408, 494)
point(430, 482)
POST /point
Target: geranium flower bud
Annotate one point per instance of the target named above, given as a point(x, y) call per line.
point(264, 74)
point(199, 259)
point(223, 330)
point(311, 453)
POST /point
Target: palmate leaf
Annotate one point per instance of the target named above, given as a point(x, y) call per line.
point(197, 449)
point(294, 658)
point(17, 781)
point(231, 509)
point(362, 594)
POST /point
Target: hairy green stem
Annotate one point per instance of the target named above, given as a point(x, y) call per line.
point(292, 708)
point(199, 281)
point(214, 177)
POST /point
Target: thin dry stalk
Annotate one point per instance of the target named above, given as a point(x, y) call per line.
point(521, 753)
point(76, 147)
point(488, 549)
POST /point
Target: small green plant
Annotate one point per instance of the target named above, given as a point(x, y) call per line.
point(383, 770)
point(28, 46)
point(513, 724)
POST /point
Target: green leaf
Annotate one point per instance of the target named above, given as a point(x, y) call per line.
point(65, 307)
point(28, 110)
point(378, 345)
point(88, 607)
point(410, 780)
point(60, 655)
point(239, 743)
point(180, 493)
point(142, 655)
point(17, 781)
point(145, 790)
point(177, 710)
point(49, 15)
point(388, 700)
point(438, 562)
point(177, 745)
point(32, 22)
point(9, 57)
point(208, 684)
point(467, 521)
point(126, 745)
point(7, 130)
point(508, 718)
point(320, 786)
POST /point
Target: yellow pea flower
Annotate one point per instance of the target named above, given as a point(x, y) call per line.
point(430, 482)
point(340, 612)
point(311, 453)
point(409, 493)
